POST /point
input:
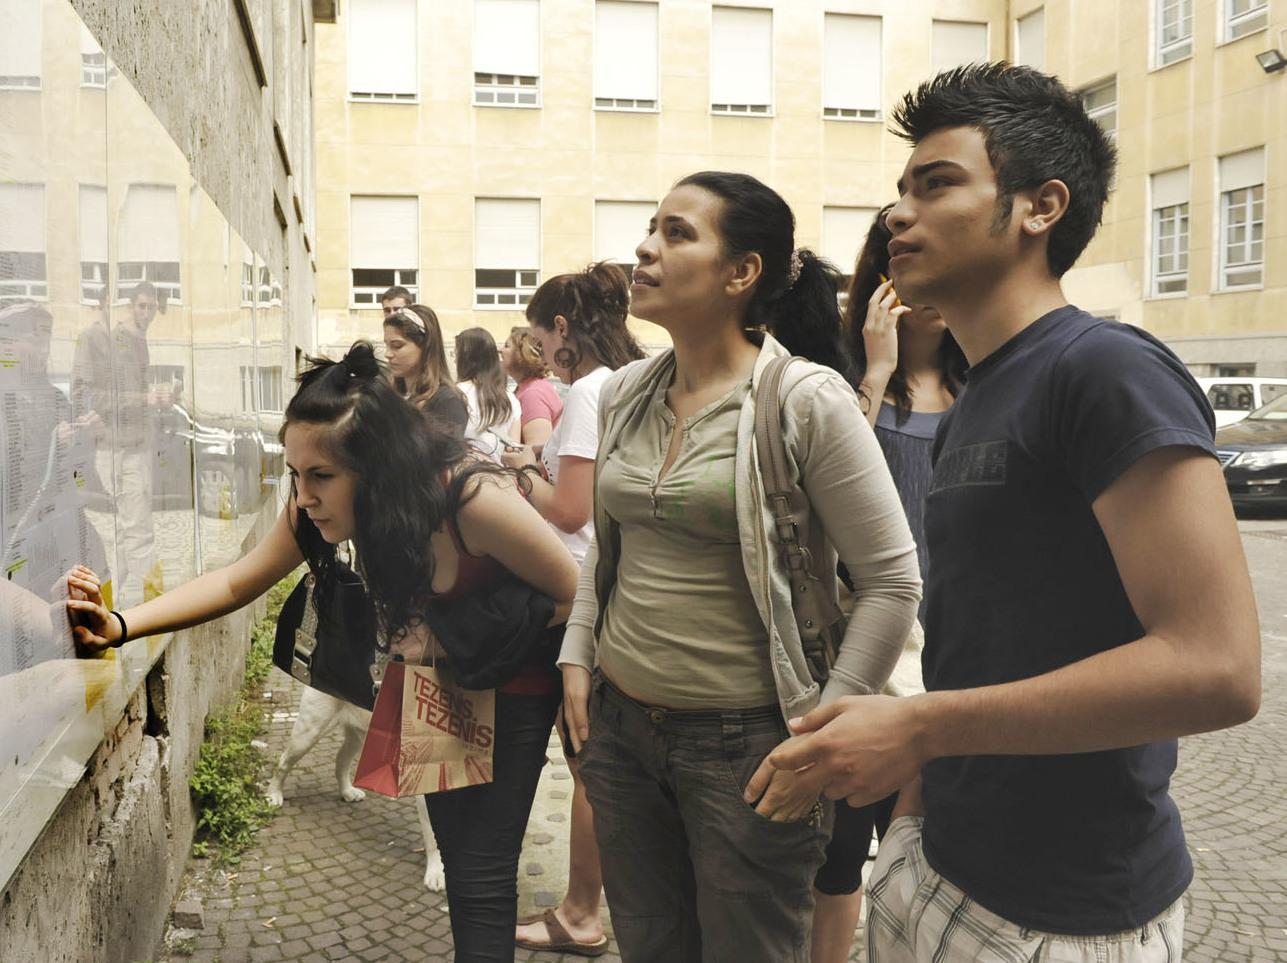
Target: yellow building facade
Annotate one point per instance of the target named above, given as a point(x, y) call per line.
point(485, 145)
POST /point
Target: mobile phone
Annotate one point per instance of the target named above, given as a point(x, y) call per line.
point(897, 302)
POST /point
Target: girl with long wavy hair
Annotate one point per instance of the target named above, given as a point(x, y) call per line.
point(493, 408)
point(417, 360)
point(429, 523)
point(910, 369)
point(541, 405)
point(578, 321)
point(682, 661)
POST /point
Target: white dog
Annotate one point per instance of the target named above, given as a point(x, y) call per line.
point(317, 713)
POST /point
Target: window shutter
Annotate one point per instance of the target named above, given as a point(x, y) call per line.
point(93, 223)
point(956, 42)
point(851, 62)
point(619, 226)
point(625, 50)
point(150, 227)
point(844, 230)
point(1170, 188)
point(741, 56)
point(507, 37)
point(384, 232)
point(22, 218)
point(507, 233)
point(1245, 169)
point(20, 39)
point(1031, 37)
point(382, 47)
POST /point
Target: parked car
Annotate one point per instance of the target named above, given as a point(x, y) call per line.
point(1253, 454)
point(1235, 398)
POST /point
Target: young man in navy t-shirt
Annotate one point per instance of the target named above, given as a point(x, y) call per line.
point(1088, 601)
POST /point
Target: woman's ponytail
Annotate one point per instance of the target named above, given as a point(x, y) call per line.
point(805, 317)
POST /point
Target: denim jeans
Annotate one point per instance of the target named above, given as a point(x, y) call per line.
point(480, 831)
point(693, 874)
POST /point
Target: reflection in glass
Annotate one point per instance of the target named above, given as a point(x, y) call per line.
point(23, 269)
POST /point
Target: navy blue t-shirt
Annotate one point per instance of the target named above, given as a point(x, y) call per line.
point(1023, 583)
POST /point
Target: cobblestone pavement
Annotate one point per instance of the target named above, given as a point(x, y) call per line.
point(330, 880)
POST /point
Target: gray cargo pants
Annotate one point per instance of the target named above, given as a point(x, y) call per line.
point(692, 873)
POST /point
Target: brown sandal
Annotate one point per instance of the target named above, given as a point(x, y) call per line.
point(560, 939)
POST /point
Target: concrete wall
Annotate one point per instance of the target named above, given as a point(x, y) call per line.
point(99, 882)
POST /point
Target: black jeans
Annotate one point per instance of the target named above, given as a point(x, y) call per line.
point(692, 872)
point(841, 874)
point(480, 831)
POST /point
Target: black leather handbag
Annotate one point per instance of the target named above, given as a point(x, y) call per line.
point(333, 652)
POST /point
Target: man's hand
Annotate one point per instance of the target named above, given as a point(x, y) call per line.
point(860, 748)
point(783, 796)
point(576, 704)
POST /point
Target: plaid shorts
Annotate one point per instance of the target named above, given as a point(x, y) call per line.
point(914, 915)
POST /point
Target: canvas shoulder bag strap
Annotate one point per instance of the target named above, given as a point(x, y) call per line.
point(817, 616)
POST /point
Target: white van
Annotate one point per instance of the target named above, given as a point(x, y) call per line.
point(1235, 398)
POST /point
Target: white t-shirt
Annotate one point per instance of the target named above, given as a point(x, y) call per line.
point(577, 434)
point(486, 438)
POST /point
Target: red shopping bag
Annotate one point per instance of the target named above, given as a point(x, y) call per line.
point(426, 734)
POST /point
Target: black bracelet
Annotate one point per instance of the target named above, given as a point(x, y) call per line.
point(125, 632)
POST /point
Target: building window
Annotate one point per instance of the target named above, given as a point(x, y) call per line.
point(93, 243)
point(619, 227)
point(1100, 102)
point(844, 231)
point(384, 247)
point(741, 61)
point(507, 251)
point(507, 53)
point(1242, 219)
point(957, 42)
point(1174, 30)
point(20, 44)
point(382, 51)
point(625, 55)
point(851, 67)
point(261, 388)
point(1030, 39)
point(1242, 17)
point(248, 281)
point(150, 242)
point(23, 274)
point(1169, 193)
point(93, 62)
point(268, 290)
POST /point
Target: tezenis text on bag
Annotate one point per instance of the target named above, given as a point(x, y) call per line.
point(451, 712)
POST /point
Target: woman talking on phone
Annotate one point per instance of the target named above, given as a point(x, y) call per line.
point(911, 369)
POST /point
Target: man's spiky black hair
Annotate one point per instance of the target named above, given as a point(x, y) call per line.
point(1035, 130)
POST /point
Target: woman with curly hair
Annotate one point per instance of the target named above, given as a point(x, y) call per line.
point(429, 524)
point(578, 321)
point(540, 403)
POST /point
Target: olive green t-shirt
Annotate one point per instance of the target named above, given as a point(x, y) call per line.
point(681, 629)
